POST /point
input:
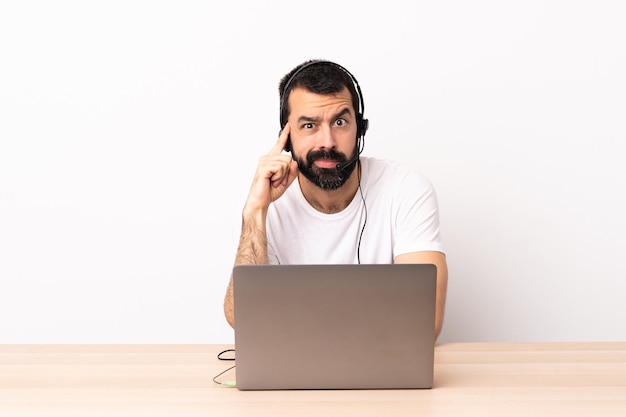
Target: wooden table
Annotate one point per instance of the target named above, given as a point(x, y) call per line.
point(471, 379)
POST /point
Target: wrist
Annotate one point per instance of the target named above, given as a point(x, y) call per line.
point(254, 215)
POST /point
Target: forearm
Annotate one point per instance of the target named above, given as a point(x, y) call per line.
point(439, 260)
point(442, 289)
point(252, 250)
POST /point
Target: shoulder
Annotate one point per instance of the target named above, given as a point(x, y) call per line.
point(379, 171)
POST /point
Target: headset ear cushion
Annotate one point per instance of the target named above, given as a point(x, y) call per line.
point(362, 125)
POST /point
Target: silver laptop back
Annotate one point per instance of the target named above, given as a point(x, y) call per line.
point(334, 326)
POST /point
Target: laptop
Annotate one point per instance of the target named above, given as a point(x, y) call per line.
point(334, 326)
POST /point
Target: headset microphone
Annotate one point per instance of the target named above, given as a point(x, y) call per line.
point(347, 163)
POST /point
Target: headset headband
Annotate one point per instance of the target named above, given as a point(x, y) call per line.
point(363, 123)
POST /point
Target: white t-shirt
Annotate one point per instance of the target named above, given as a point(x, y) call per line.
point(397, 214)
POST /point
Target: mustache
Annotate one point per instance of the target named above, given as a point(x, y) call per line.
point(325, 154)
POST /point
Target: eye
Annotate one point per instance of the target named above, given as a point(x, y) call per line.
point(340, 122)
point(307, 126)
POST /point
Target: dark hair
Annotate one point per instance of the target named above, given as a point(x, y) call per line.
point(319, 77)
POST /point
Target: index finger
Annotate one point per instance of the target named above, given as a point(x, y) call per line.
point(282, 140)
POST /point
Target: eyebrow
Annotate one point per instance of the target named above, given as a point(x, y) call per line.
point(343, 112)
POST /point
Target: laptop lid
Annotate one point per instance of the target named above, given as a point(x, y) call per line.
point(334, 326)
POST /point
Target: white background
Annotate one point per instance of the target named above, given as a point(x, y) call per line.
point(129, 132)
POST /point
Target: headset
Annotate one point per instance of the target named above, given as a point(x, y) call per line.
point(362, 123)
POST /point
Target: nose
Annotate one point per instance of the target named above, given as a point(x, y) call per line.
point(326, 139)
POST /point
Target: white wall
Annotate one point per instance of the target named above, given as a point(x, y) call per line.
point(129, 132)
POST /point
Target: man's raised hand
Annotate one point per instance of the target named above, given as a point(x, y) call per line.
point(275, 173)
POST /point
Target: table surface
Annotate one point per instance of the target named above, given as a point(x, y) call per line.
point(471, 379)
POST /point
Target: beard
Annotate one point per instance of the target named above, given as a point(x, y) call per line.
point(327, 178)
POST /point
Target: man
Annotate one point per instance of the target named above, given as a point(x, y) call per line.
point(324, 203)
